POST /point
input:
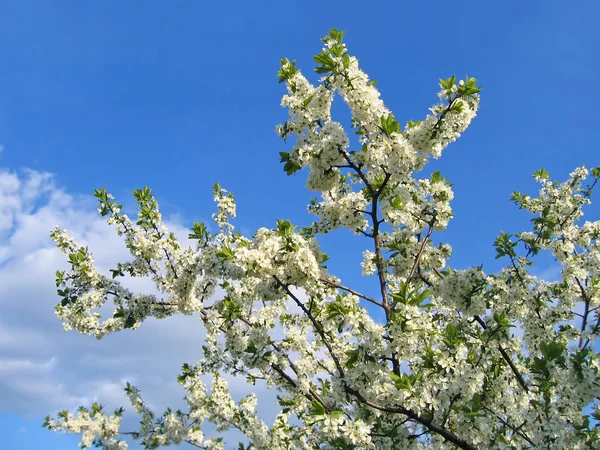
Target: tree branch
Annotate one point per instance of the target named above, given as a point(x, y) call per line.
point(506, 358)
point(316, 325)
point(352, 291)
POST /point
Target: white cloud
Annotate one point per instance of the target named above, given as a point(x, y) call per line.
point(13, 338)
point(42, 367)
point(16, 366)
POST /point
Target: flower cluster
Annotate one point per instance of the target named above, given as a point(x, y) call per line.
point(95, 426)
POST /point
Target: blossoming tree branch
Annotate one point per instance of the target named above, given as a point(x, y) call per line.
point(444, 368)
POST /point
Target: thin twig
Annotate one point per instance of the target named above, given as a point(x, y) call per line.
point(352, 291)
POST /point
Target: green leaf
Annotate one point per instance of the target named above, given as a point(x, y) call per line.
point(390, 125)
point(476, 403)
point(305, 103)
point(285, 228)
point(336, 35)
point(437, 177)
point(117, 273)
point(199, 232)
point(337, 50)
point(346, 60)
point(505, 246)
point(458, 107)
point(417, 298)
point(130, 321)
point(396, 202)
point(405, 381)
point(60, 275)
point(96, 408)
point(469, 88)
point(186, 372)
point(101, 194)
point(290, 166)
point(452, 336)
point(352, 358)
point(337, 414)
point(326, 61)
point(287, 71)
point(552, 351)
point(285, 401)
point(542, 173)
point(119, 312)
point(317, 409)
point(517, 197)
point(229, 308)
point(225, 253)
point(502, 320)
point(448, 83)
point(251, 348)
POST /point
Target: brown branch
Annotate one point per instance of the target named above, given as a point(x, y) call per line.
point(506, 358)
point(380, 270)
point(421, 251)
point(352, 291)
point(316, 324)
point(376, 223)
point(378, 256)
point(312, 395)
point(586, 311)
point(446, 434)
point(516, 430)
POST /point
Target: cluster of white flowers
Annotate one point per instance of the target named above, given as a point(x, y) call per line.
point(307, 104)
point(226, 209)
point(341, 209)
point(456, 358)
point(368, 264)
point(95, 426)
point(416, 206)
point(422, 136)
point(272, 253)
point(462, 290)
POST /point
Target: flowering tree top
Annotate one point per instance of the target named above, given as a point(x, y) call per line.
point(444, 369)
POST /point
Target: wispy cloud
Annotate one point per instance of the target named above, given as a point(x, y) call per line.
point(42, 367)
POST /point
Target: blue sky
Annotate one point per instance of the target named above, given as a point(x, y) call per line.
point(178, 96)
